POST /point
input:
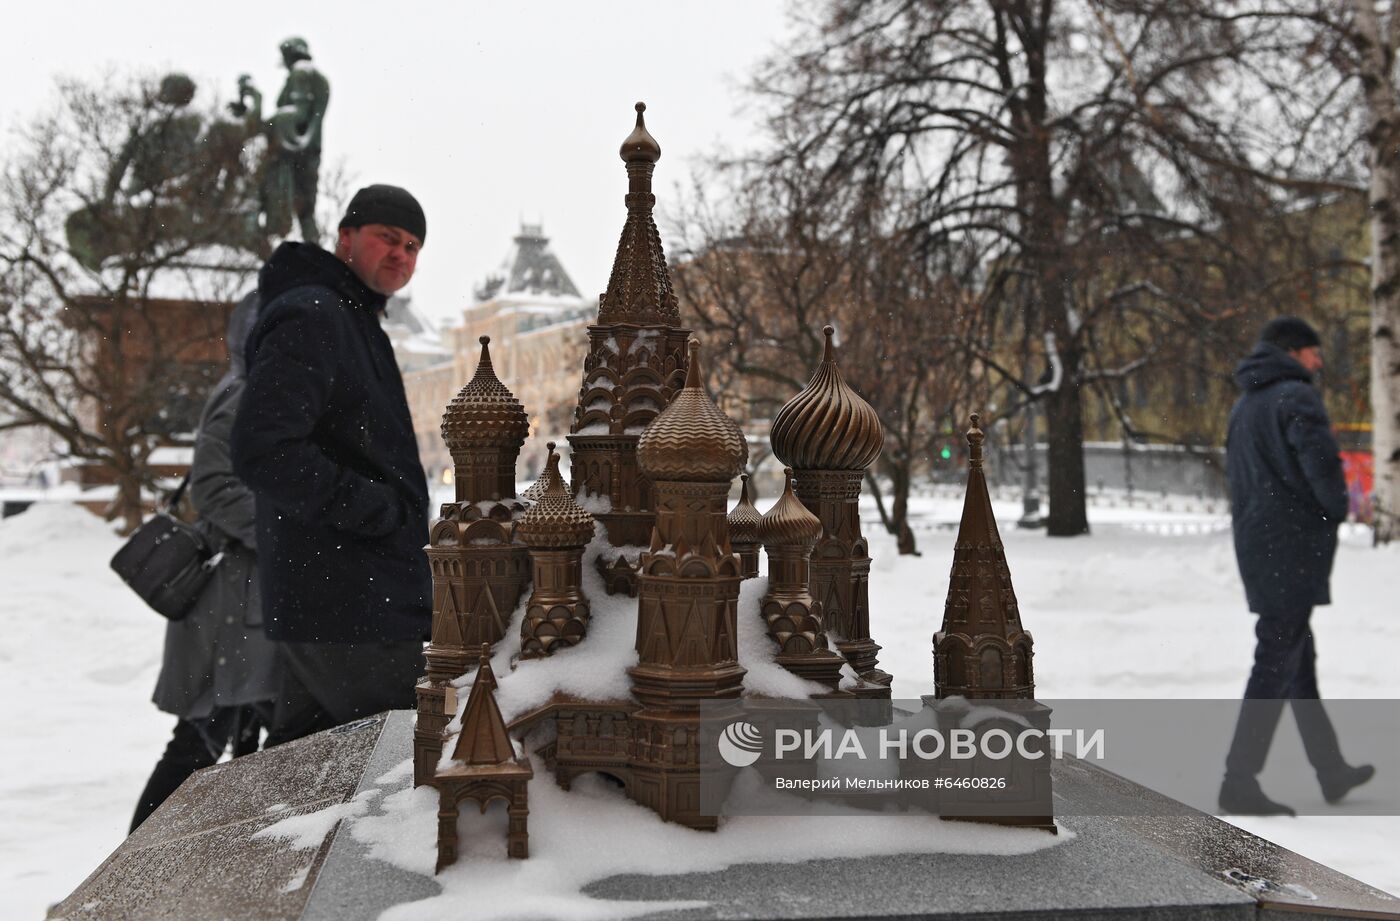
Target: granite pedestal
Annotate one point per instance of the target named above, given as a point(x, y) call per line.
point(198, 858)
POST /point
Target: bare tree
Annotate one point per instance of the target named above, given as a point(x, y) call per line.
point(121, 214)
point(1374, 38)
point(784, 257)
point(1360, 39)
point(1336, 60)
point(1053, 137)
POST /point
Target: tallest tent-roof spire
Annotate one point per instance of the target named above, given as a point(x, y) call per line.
point(639, 289)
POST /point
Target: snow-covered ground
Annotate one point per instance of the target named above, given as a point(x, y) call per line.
point(79, 654)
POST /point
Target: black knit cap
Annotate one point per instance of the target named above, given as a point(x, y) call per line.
point(1290, 334)
point(386, 204)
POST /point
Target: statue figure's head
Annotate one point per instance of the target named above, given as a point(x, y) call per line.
point(295, 49)
point(176, 90)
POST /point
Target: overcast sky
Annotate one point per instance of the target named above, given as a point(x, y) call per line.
point(489, 112)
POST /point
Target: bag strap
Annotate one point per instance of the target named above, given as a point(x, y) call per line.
point(174, 501)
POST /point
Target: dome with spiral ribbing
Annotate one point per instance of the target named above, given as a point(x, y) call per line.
point(827, 426)
point(743, 520)
point(692, 439)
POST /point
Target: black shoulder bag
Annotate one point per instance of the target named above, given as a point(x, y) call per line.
point(167, 561)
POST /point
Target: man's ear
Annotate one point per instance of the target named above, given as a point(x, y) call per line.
point(342, 242)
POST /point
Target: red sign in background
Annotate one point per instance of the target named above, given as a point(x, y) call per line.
point(1359, 468)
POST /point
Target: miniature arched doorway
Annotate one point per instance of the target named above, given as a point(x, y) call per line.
point(989, 668)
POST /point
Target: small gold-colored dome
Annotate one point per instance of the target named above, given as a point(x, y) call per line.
point(789, 522)
point(827, 426)
point(484, 414)
point(743, 520)
point(555, 520)
point(692, 440)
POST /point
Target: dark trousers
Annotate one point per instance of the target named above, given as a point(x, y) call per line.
point(328, 684)
point(1285, 669)
point(197, 744)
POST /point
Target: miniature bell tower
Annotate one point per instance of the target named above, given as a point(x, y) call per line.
point(982, 650)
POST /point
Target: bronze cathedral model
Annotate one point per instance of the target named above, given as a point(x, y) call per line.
point(653, 460)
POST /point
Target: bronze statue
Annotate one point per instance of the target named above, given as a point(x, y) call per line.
point(148, 185)
point(179, 182)
point(293, 162)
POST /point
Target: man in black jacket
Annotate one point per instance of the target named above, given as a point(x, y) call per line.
point(1287, 498)
point(325, 441)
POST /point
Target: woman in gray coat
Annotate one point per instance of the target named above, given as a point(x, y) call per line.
point(218, 668)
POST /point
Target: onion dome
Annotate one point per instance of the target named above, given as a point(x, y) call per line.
point(743, 521)
point(555, 520)
point(692, 439)
point(640, 145)
point(827, 426)
point(789, 523)
point(484, 414)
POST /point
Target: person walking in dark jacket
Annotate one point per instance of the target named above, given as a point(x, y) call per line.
point(1287, 498)
point(324, 439)
point(218, 672)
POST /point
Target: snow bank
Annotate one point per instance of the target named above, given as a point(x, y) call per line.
point(596, 669)
point(1109, 613)
point(79, 654)
point(565, 857)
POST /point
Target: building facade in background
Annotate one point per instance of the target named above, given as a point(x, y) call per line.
point(536, 319)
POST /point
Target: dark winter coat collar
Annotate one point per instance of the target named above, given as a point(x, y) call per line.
point(295, 264)
point(1268, 364)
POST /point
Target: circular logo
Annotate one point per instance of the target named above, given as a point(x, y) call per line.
point(740, 744)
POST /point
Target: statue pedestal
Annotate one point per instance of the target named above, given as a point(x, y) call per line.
point(197, 858)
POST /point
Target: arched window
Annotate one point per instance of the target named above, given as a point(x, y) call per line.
point(990, 668)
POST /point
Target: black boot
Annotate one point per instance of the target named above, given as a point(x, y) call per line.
point(1338, 783)
point(1240, 795)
